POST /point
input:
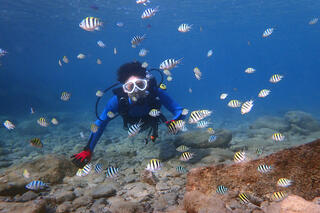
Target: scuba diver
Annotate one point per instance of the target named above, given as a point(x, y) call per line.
point(138, 94)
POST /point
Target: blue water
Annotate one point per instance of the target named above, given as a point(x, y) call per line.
point(39, 33)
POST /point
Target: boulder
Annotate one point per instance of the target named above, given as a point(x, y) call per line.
point(65, 196)
point(300, 164)
point(271, 122)
point(302, 120)
point(30, 195)
point(199, 139)
point(36, 206)
point(49, 169)
point(293, 204)
point(125, 207)
point(104, 190)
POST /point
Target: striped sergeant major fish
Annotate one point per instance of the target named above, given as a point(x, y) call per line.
point(85, 170)
point(239, 157)
point(222, 189)
point(264, 93)
point(148, 13)
point(169, 64)
point(278, 196)
point(144, 2)
point(183, 28)
point(135, 129)
point(37, 185)
point(246, 107)
point(278, 137)
point(181, 170)
point(276, 78)
point(136, 40)
point(98, 168)
point(284, 182)
point(264, 168)
point(112, 172)
point(91, 24)
point(154, 165)
point(186, 156)
point(267, 32)
point(244, 198)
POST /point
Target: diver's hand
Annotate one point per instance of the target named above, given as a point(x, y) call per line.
point(81, 159)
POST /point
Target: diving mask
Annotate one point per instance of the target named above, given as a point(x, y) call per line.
point(130, 86)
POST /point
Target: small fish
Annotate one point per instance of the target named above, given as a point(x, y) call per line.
point(36, 142)
point(212, 138)
point(143, 52)
point(267, 32)
point(276, 78)
point(250, 70)
point(136, 40)
point(99, 93)
point(239, 157)
point(9, 125)
point(42, 122)
point(203, 124)
point(183, 28)
point(182, 148)
point(65, 59)
point(144, 2)
point(148, 13)
point(186, 156)
point(154, 165)
point(167, 72)
point(222, 189)
point(26, 174)
point(81, 135)
point(264, 93)
point(169, 64)
point(65, 96)
point(278, 137)
point(101, 44)
point(184, 129)
point(243, 197)
point(234, 104)
point(172, 128)
point(37, 185)
point(94, 128)
point(115, 51)
point(278, 196)
point(99, 61)
point(209, 53)
point(59, 62)
point(246, 107)
point(264, 168)
point(259, 151)
point(284, 182)
point(32, 110)
point(169, 78)
point(313, 21)
point(180, 124)
point(181, 170)
point(197, 73)
point(81, 56)
point(135, 129)
point(144, 65)
point(85, 170)
point(205, 113)
point(210, 130)
point(154, 113)
point(223, 96)
point(184, 111)
point(54, 121)
point(3, 52)
point(163, 86)
point(112, 172)
point(120, 24)
point(91, 24)
point(98, 168)
point(110, 114)
point(196, 116)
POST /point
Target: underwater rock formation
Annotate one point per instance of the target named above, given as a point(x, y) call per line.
point(300, 164)
point(302, 122)
point(199, 139)
point(271, 122)
point(50, 169)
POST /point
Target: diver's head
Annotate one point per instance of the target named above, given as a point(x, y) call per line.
point(134, 80)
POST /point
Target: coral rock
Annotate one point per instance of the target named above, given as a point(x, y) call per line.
point(300, 164)
point(293, 204)
point(50, 169)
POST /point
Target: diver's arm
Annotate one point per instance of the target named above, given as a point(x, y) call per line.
point(170, 104)
point(82, 158)
point(94, 137)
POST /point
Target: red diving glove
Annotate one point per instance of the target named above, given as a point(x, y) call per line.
point(81, 159)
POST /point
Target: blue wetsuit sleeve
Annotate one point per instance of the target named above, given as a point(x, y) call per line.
point(94, 137)
point(170, 104)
